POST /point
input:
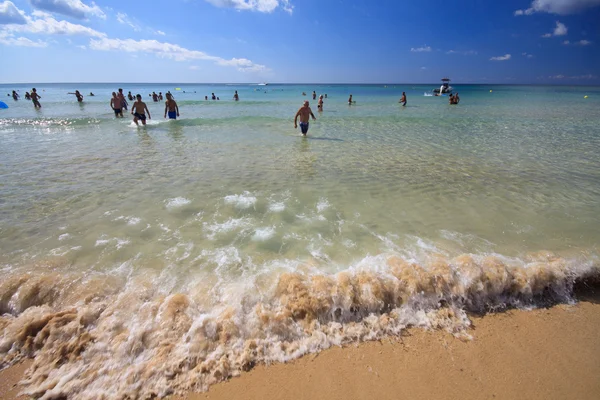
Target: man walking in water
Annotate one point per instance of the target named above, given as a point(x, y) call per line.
point(35, 98)
point(304, 113)
point(115, 104)
point(171, 107)
point(403, 99)
point(122, 98)
point(140, 109)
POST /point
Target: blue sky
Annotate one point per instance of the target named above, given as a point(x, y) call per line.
point(298, 41)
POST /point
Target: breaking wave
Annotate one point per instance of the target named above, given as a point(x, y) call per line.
point(136, 334)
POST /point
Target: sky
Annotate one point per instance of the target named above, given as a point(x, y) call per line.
point(301, 41)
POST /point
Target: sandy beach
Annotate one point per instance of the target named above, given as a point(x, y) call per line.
point(540, 354)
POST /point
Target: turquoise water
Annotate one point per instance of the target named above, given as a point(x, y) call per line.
point(259, 244)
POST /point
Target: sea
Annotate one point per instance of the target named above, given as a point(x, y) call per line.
point(145, 261)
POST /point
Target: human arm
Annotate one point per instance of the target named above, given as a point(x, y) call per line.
point(177, 108)
point(166, 107)
point(296, 119)
point(148, 111)
point(312, 115)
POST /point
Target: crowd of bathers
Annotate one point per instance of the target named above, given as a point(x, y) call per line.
point(118, 103)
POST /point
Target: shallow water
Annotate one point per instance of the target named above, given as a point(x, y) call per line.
point(181, 253)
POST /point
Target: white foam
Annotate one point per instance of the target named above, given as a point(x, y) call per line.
point(64, 236)
point(241, 201)
point(230, 225)
point(277, 207)
point(263, 234)
point(177, 202)
point(323, 204)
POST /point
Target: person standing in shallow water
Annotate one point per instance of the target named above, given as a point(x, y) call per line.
point(139, 109)
point(35, 98)
point(403, 99)
point(304, 113)
point(350, 101)
point(320, 104)
point(236, 97)
point(171, 107)
point(78, 95)
point(115, 104)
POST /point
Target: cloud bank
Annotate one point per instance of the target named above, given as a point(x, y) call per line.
point(264, 6)
point(560, 7)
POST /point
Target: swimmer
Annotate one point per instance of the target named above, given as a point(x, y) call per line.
point(171, 107)
point(154, 97)
point(35, 98)
point(304, 113)
point(129, 96)
point(115, 104)
point(456, 98)
point(403, 99)
point(160, 96)
point(314, 95)
point(320, 104)
point(15, 96)
point(350, 101)
point(236, 97)
point(91, 94)
point(213, 97)
point(140, 109)
point(27, 96)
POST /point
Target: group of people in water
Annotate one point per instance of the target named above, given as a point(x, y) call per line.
point(139, 109)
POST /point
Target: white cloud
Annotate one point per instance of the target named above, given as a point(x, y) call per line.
point(463, 53)
point(172, 51)
point(527, 55)
point(82, 47)
point(582, 42)
point(501, 58)
point(559, 30)
point(423, 68)
point(125, 20)
point(10, 14)
point(9, 40)
point(561, 7)
point(194, 67)
point(70, 8)
point(420, 49)
point(265, 6)
point(50, 26)
point(161, 33)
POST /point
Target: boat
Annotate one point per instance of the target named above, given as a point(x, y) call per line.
point(445, 88)
point(263, 84)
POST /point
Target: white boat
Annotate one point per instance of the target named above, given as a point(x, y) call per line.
point(445, 88)
point(263, 84)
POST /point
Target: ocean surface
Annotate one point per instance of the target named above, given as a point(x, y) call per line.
point(140, 261)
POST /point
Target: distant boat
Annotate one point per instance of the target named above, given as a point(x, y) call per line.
point(445, 88)
point(263, 84)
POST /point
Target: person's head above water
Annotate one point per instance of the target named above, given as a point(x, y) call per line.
point(138, 96)
point(306, 103)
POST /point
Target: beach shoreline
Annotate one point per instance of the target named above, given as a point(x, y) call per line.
point(545, 353)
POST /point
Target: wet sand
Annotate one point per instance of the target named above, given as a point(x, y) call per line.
point(541, 354)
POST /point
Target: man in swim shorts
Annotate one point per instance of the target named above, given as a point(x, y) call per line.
point(304, 113)
point(139, 109)
point(171, 107)
point(115, 104)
